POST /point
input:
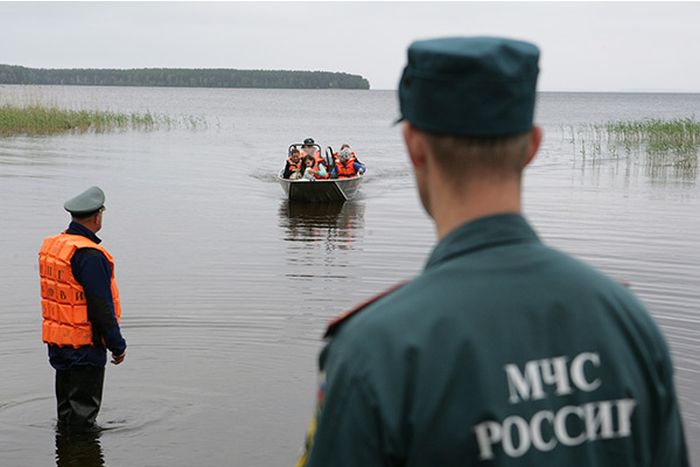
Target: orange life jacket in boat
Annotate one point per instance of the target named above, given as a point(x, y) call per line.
point(63, 304)
point(318, 158)
point(316, 153)
point(315, 171)
point(294, 166)
point(347, 168)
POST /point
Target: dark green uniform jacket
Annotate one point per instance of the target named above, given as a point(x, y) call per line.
point(502, 352)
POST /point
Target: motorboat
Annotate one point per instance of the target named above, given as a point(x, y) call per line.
point(321, 190)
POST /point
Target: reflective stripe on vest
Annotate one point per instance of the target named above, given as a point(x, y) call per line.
point(63, 304)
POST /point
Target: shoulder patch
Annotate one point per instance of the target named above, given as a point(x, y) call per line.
point(336, 323)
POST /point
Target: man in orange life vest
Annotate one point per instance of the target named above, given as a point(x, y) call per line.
point(81, 311)
point(309, 148)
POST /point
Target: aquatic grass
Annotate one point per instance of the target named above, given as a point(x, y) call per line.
point(38, 119)
point(677, 136)
point(661, 145)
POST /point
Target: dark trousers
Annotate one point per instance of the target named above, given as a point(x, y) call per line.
point(78, 396)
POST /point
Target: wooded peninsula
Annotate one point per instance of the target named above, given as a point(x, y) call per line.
point(183, 77)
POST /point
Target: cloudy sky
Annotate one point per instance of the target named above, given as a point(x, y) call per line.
point(596, 46)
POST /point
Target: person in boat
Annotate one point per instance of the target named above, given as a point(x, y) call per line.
point(308, 171)
point(346, 164)
point(311, 171)
point(81, 311)
point(309, 148)
point(502, 351)
point(292, 168)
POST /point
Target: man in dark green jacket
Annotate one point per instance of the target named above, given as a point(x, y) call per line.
point(503, 351)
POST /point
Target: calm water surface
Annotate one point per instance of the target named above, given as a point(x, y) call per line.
point(227, 287)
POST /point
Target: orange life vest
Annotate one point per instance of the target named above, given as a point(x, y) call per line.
point(314, 170)
point(63, 304)
point(318, 158)
point(319, 177)
point(346, 169)
point(315, 154)
point(294, 166)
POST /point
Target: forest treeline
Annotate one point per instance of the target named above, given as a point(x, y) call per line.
point(183, 77)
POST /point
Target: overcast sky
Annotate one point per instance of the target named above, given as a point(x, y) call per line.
point(596, 46)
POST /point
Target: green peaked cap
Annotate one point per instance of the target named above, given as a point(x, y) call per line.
point(86, 202)
point(470, 86)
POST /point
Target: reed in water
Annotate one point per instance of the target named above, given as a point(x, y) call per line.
point(38, 119)
point(665, 147)
point(679, 136)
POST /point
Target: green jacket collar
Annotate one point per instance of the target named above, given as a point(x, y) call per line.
point(481, 233)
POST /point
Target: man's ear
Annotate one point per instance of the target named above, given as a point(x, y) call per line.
point(415, 145)
point(533, 143)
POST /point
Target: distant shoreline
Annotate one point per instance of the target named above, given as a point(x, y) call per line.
point(183, 77)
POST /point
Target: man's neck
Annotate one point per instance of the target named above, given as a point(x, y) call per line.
point(451, 208)
point(88, 225)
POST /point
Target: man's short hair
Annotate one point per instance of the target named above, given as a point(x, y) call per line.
point(462, 157)
point(84, 215)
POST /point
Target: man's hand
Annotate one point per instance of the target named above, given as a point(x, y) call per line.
point(117, 359)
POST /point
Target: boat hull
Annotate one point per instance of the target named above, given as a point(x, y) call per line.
point(321, 191)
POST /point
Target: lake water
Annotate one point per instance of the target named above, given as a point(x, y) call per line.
point(227, 287)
